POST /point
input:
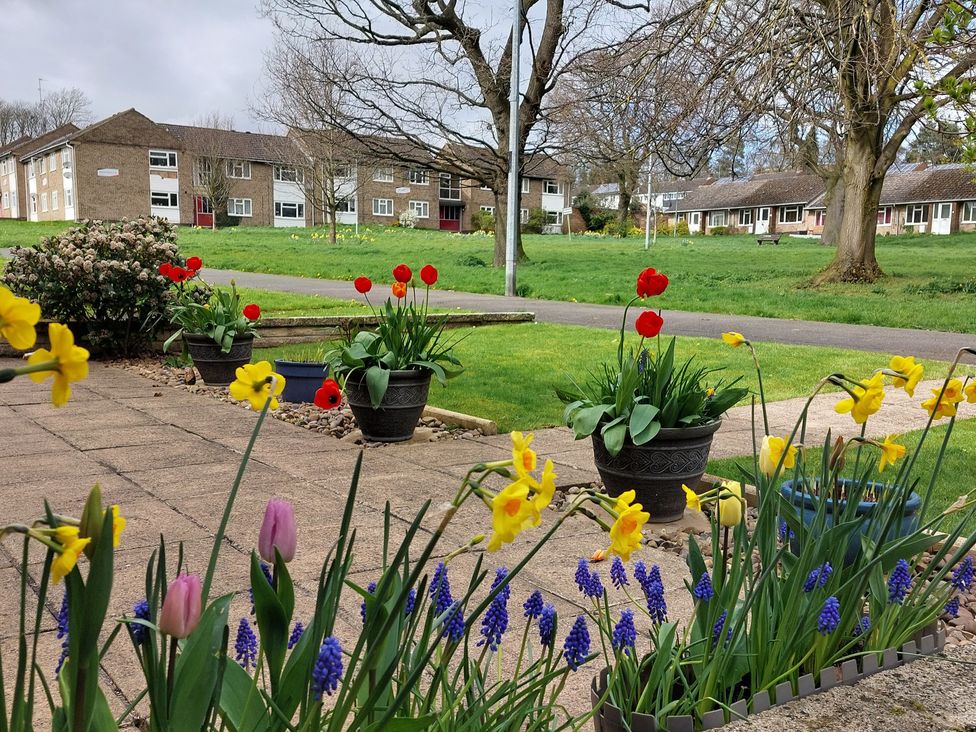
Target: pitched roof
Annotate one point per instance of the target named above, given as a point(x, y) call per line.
point(675, 185)
point(762, 189)
point(469, 159)
point(13, 145)
point(236, 145)
point(44, 142)
point(919, 183)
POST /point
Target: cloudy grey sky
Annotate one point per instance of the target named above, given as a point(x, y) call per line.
point(173, 60)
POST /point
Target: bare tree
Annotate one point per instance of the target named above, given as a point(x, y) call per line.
point(67, 105)
point(210, 162)
point(436, 72)
point(20, 119)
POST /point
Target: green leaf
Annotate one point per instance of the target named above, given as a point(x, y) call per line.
point(404, 724)
point(197, 668)
point(377, 381)
point(646, 435)
point(272, 622)
point(641, 416)
point(614, 436)
point(241, 703)
point(585, 421)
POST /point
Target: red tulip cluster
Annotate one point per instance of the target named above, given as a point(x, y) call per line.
point(178, 274)
point(402, 274)
point(650, 283)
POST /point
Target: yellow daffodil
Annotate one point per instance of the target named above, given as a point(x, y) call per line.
point(730, 504)
point(118, 526)
point(546, 489)
point(72, 362)
point(866, 401)
point(253, 385)
point(626, 533)
point(913, 373)
point(771, 451)
point(891, 452)
point(694, 501)
point(18, 316)
point(624, 500)
point(523, 457)
point(970, 392)
point(71, 548)
point(733, 339)
point(511, 513)
point(946, 406)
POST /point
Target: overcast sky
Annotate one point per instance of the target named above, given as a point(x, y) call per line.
point(173, 60)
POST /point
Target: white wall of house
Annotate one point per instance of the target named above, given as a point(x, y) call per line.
point(14, 198)
point(289, 204)
point(67, 173)
point(164, 183)
point(33, 207)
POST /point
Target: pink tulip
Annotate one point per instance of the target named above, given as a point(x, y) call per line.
point(278, 531)
point(181, 608)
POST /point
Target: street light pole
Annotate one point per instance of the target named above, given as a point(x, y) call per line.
point(511, 231)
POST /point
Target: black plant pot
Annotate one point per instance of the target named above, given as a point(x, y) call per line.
point(216, 368)
point(302, 379)
point(657, 469)
point(395, 419)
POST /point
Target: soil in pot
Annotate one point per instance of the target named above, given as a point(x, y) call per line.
point(395, 419)
point(216, 368)
point(302, 379)
point(656, 470)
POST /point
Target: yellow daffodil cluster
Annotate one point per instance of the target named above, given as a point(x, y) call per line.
point(729, 497)
point(944, 400)
point(627, 531)
point(912, 373)
point(253, 384)
point(865, 399)
point(519, 505)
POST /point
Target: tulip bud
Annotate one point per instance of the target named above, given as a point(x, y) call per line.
point(181, 608)
point(278, 531)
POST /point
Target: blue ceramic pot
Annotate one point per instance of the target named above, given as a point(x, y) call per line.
point(806, 505)
point(302, 379)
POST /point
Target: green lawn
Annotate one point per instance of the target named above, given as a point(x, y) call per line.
point(931, 281)
point(285, 304)
point(512, 371)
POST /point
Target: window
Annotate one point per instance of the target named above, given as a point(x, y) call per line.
point(69, 197)
point(289, 210)
point(552, 186)
point(969, 212)
point(489, 209)
point(383, 175)
point(54, 200)
point(52, 163)
point(66, 158)
point(239, 169)
point(346, 205)
point(554, 217)
point(342, 170)
point(524, 215)
point(790, 214)
point(289, 175)
point(382, 207)
point(421, 208)
point(820, 217)
point(6, 200)
point(717, 218)
point(917, 213)
point(43, 202)
point(884, 216)
point(164, 199)
point(485, 188)
point(745, 217)
point(450, 189)
point(239, 207)
point(525, 185)
point(419, 176)
point(201, 171)
point(30, 169)
point(42, 165)
point(162, 159)
point(33, 203)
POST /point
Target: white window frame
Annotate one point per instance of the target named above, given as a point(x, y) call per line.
point(298, 209)
point(922, 209)
point(44, 202)
point(241, 205)
point(172, 159)
point(33, 203)
point(54, 200)
point(819, 217)
point(289, 174)
point(420, 208)
point(745, 217)
point(232, 167)
point(489, 209)
point(525, 185)
point(383, 175)
point(6, 200)
point(69, 197)
point(554, 218)
point(343, 171)
point(52, 162)
point(781, 214)
point(30, 169)
point(883, 217)
point(717, 218)
point(968, 213)
point(172, 199)
point(523, 215)
point(549, 184)
point(66, 158)
point(382, 207)
point(346, 205)
point(42, 164)
point(419, 177)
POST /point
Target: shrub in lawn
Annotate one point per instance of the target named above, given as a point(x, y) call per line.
point(719, 230)
point(536, 222)
point(101, 277)
point(483, 221)
point(408, 218)
point(471, 260)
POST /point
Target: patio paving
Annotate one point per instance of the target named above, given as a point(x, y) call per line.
point(169, 457)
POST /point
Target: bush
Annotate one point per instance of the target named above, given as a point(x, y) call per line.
point(471, 260)
point(600, 219)
point(483, 221)
point(612, 228)
point(408, 218)
point(719, 230)
point(536, 222)
point(100, 278)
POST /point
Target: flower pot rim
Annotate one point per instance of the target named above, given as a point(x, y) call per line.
point(288, 362)
point(394, 372)
point(205, 337)
point(699, 430)
point(912, 505)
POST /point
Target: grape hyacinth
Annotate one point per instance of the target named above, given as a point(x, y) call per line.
point(246, 645)
point(547, 626)
point(829, 616)
point(624, 633)
point(371, 589)
point(141, 611)
point(718, 627)
point(495, 622)
point(533, 606)
point(266, 570)
point(582, 575)
point(577, 645)
point(63, 633)
point(703, 590)
point(863, 626)
point(618, 575)
point(952, 607)
point(962, 576)
point(327, 671)
point(899, 583)
point(785, 532)
point(440, 592)
point(411, 601)
point(653, 589)
point(640, 572)
point(818, 577)
point(296, 634)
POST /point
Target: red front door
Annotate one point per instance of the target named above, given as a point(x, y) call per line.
point(450, 217)
point(202, 212)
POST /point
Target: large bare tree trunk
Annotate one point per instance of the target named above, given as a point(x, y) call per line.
point(501, 226)
point(332, 228)
point(834, 200)
point(855, 260)
point(626, 193)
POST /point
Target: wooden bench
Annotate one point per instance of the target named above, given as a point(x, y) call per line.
point(767, 238)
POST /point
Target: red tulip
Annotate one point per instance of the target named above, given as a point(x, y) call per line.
point(278, 531)
point(362, 285)
point(428, 274)
point(179, 275)
point(651, 283)
point(402, 273)
point(649, 323)
point(194, 263)
point(182, 606)
point(329, 395)
point(165, 268)
point(251, 312)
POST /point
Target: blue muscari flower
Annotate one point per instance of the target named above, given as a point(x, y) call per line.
point(703, 590)
point(899, 583)
point(624, 633)
point(655, 575)
point(962, 576)
point(594, 587)
point(296, 634)
point(266, 570)
point(371, 589)
point(577, 645)
point(246, 645)
point(327, 671)
point(141, 611)
point(785, 532)
point(547, 625)
point(952, 607)
point(642, 361)
point(533, 606)
point(818, 577)
point(495, 622)
point(717, 629)
point(618, 575)
point(582, 575)
point(640, 572)
point(653, 589)
point(863, 626)
point(454, 624)
point(440, 591)
point(63, 633)
point(829, 616)
point(411, 601)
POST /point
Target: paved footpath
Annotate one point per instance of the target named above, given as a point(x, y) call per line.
point(920, 343)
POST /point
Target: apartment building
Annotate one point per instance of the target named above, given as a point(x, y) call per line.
point(22, 192)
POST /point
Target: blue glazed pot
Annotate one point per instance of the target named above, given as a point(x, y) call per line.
point(806, 505)
point(302, 379)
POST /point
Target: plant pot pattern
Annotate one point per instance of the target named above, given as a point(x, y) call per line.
point(216, 368)
point(397, 415)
